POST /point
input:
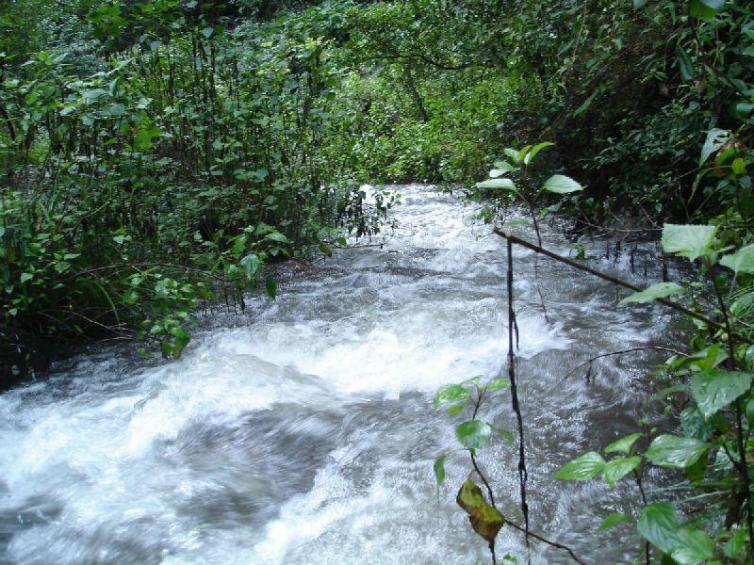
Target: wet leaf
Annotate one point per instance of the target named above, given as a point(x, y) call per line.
point(658, 525)
point(582, 468)
point(624, 444)
point(690, 241)
point(561, 184)
point(250, 265)
point(473, 434)
point(504, 167)
point(736, 546)
point(716, 137)
point(659, 290)
point(505, 184)
point(715, 389)
point(694, 546)
point(618, 468)
point(742, 261)
point(674, 451)
point(485, 519)
point(451, 393)
point(535, 150)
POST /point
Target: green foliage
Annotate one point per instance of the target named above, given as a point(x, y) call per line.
point(582, 468)
point(653, 292)
point(164, 178)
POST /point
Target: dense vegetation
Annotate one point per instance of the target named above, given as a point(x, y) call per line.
point(161, 155)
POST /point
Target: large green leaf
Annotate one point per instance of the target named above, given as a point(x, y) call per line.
point(618, 468)
point(693, 546)
point(505, 166)
point(504, 184)
point(690, 241)
point(674, 451)
point(535, 150)
point(501, 167)
point(485, 519)
point(582, 468)
point(716, 137)
point(658, 525)
point(624, 444)
point(653, 292)
point(714, 389)
point(512, 153)
point(742, 261)
point(473, 434)
point(561, 184)
point(451, 393)
point(250, 265)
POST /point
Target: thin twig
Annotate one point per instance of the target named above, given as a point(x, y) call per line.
point(545, 540)
point(522, 473)
point(610, 278)
point(591, 360)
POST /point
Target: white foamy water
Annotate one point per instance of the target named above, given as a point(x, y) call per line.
point(305, 432)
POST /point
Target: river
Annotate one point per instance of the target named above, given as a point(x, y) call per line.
point(304, 431)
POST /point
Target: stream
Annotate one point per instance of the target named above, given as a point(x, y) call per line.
point(304, 431)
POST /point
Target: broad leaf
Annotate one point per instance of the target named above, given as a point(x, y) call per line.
point(619, 467)
point(485, 519)
point(674, 451)
point(693, 546)
point(658, 525)
point(505, 184)
point(451, 393)
point(512, 153)
point(742, 261)
point(561, 184)
point(521, 156)
point(624, 444)
point(504, 166)
point(535, 150)
point(250, 265)
point(613, 520)
point(736, 546)
point(653, 292)
point(690, 241)
point(716, 137)
point(582, 468)
point(714, 389)
point(473, 434)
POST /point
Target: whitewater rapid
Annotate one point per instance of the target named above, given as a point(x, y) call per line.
point(304, 431)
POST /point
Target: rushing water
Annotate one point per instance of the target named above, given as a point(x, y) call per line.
point(305, 432)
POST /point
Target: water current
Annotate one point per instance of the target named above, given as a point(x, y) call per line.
point(304, 432)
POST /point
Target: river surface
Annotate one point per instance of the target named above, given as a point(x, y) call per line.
point(304, 431)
